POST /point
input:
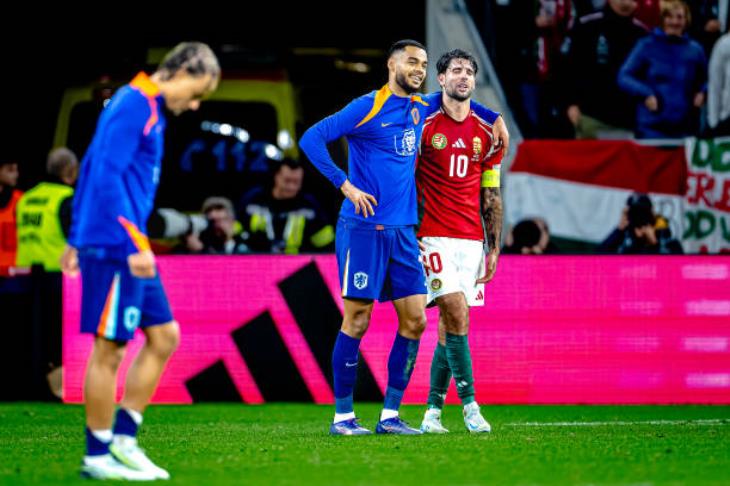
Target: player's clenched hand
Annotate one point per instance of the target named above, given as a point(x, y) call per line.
point(652, 103)
point(363, 201)
point(501, 135)
point(142, 264)
point(492, 258)
point(70, 261)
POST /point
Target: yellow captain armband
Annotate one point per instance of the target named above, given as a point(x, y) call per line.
point(490, 177)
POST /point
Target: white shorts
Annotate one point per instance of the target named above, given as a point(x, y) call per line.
point(454, 264)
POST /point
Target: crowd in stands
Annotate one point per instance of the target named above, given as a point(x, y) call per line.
point(615, 68)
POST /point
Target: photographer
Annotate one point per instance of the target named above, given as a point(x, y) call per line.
point(219, 236)
point(641, 231)
point(529, 237)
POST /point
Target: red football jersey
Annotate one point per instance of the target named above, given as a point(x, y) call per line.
point(453, 155)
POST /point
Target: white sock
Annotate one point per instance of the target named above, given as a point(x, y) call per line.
point(136, 416)
point(387, 413)
point(104, 435)
point(471, 407)
point(341, 417)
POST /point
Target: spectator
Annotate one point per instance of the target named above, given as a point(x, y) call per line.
point(707, 13)
point(667, 73)
point(280, 219)
point(647, 11)
point(44, 213)
point(718, 101)
point(9, 197)
point(595, 50)
point(529, 237)
point(706, 27)
point(542, 27)
point(219, 237)
point(44, 221)
point(641, 231)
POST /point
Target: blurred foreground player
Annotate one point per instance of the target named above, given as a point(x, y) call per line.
point(121, 288)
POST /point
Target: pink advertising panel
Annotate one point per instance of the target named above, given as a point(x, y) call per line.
point(553, 330)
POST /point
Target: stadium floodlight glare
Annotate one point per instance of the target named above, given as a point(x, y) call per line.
point(242, 135)
point(284, 140)
point(226, 129)
point(273, 152)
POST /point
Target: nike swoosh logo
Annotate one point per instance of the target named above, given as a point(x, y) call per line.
point(350, 365)
point(386, 124)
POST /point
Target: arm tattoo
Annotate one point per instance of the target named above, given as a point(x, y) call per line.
point(492, 215)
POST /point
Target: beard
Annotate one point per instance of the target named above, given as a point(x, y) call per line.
point(402, 81)
point(454, 94)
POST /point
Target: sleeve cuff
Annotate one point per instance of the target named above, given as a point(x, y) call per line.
point(339, 179)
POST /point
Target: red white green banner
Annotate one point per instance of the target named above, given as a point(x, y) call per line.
point(707, 208)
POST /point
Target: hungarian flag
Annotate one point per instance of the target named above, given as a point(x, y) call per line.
point(580, 187)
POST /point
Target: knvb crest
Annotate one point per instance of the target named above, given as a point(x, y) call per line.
point(407, 144)
point(360, 279)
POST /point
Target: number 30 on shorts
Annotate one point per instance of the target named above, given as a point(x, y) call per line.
point(434, 263)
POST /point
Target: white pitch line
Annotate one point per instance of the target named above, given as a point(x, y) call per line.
point(619, 422)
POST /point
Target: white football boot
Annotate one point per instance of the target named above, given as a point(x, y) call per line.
point(432, 422)
point(126, 451)
point(473, 419)
point(106, 467)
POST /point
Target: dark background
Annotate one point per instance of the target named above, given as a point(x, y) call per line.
point(47, 50)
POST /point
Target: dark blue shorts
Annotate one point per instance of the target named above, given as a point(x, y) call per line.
point(115, 303)
point(383, 264)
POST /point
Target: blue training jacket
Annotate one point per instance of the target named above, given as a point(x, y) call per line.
point(120, 172)
point(383, 132)
point(671, 68)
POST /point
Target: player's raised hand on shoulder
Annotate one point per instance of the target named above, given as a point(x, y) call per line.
point(492, 258)
point(70, 261)
point(363, 201)
point(142, 264)
point(501, 134)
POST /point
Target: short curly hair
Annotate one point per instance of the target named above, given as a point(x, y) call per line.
point(443, 63)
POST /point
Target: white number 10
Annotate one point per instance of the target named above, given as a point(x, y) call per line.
point(461, 163)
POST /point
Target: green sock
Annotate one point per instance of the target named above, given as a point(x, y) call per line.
point(440, 378)
point(459, 357)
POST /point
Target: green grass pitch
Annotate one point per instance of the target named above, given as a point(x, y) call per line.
point(288, 444)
